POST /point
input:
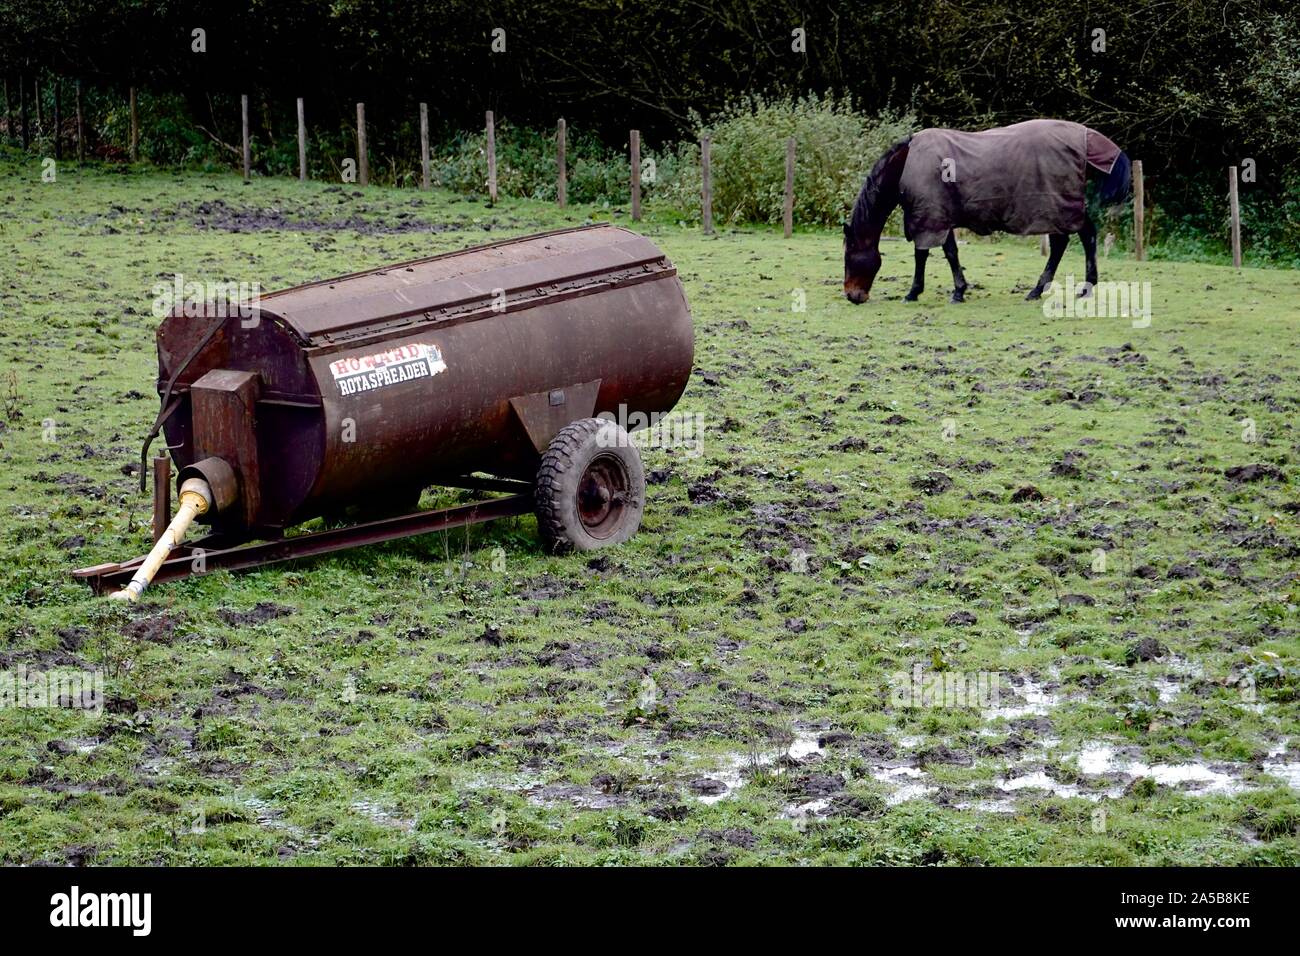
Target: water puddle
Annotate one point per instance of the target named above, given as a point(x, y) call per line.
point(159, 766)
point(738, 767)
point(269, 817)
point(573, 795)
point(988, 806)
point(806, 743)
point(807, 810)
point(1181, 665)
point(379, 815)
point(905, 783)
point(1106, 770)
point(1039, 780)
point(1027, 699)
point(729, 779)
point(1103, 762)
point(1168, 689)
point(1288, 771)
point(1196, 776)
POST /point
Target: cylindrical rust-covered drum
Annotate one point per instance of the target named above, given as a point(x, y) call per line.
point(375, 385)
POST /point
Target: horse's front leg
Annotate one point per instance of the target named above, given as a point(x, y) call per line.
point(1057, 242)
point(1088, 236)
point(959, 285)
point(918, 278)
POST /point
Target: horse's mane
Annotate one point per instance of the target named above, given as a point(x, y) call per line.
point(877, 187)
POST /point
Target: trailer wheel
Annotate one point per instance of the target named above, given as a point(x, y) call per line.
point(590, 488)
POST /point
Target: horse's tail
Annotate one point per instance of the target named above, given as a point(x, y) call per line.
point(1117, 185)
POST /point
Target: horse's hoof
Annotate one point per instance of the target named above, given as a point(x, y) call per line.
point(1034, 294)
point(911, 297)
point(1085, 291)
point(956, 298)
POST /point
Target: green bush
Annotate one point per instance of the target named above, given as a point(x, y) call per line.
point(835, 148)
point(168, 137)
point(526, 165)
point(1193, 224)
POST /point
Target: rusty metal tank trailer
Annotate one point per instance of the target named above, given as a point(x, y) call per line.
point(507, 360)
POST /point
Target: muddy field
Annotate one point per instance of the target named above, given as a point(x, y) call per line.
point(1087, 529)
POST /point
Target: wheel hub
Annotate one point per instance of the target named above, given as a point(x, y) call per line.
point(603, 496)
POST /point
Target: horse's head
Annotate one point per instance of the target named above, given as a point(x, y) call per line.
point(880, 195)
point(861, 263)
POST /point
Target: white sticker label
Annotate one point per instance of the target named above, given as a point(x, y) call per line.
point(362, 373)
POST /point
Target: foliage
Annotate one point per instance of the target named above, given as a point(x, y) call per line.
point(607, 66)
point(835, 147)
point(527, 165)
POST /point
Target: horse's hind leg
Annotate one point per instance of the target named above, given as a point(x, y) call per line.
point(1088, 236)
point(959, 285)
point(918, 279)
point(1058, 241)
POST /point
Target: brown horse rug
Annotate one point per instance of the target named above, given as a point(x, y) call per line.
point(1025, 179)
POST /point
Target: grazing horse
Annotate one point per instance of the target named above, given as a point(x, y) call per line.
point(1025, 179)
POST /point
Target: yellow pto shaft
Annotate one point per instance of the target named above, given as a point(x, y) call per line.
point(196, 499)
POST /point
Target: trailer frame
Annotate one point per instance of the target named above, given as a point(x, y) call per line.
point(216, 553)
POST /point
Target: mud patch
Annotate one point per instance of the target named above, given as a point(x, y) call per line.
point(574, 795)
point(260, 613)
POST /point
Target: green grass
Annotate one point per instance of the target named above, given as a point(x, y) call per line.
point(369, 724)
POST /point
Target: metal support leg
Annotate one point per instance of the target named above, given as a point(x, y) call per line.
point(162, 495)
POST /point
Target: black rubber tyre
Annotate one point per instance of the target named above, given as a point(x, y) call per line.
point(590, 490)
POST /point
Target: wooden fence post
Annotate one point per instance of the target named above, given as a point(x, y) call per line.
point(81, 130)
point(1234, 211)
point(58, 122)
point(1043, 245)
point(135, 127)
point(1139, 212)
point(363, 161)
point(302, 143)
point(36, 95)
point(634, 145)
point(22, 108)
point(248, 149)
point(425, 182)
point(787, 215)
point(492, 156)
point(561, 165)
point(706, 186)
